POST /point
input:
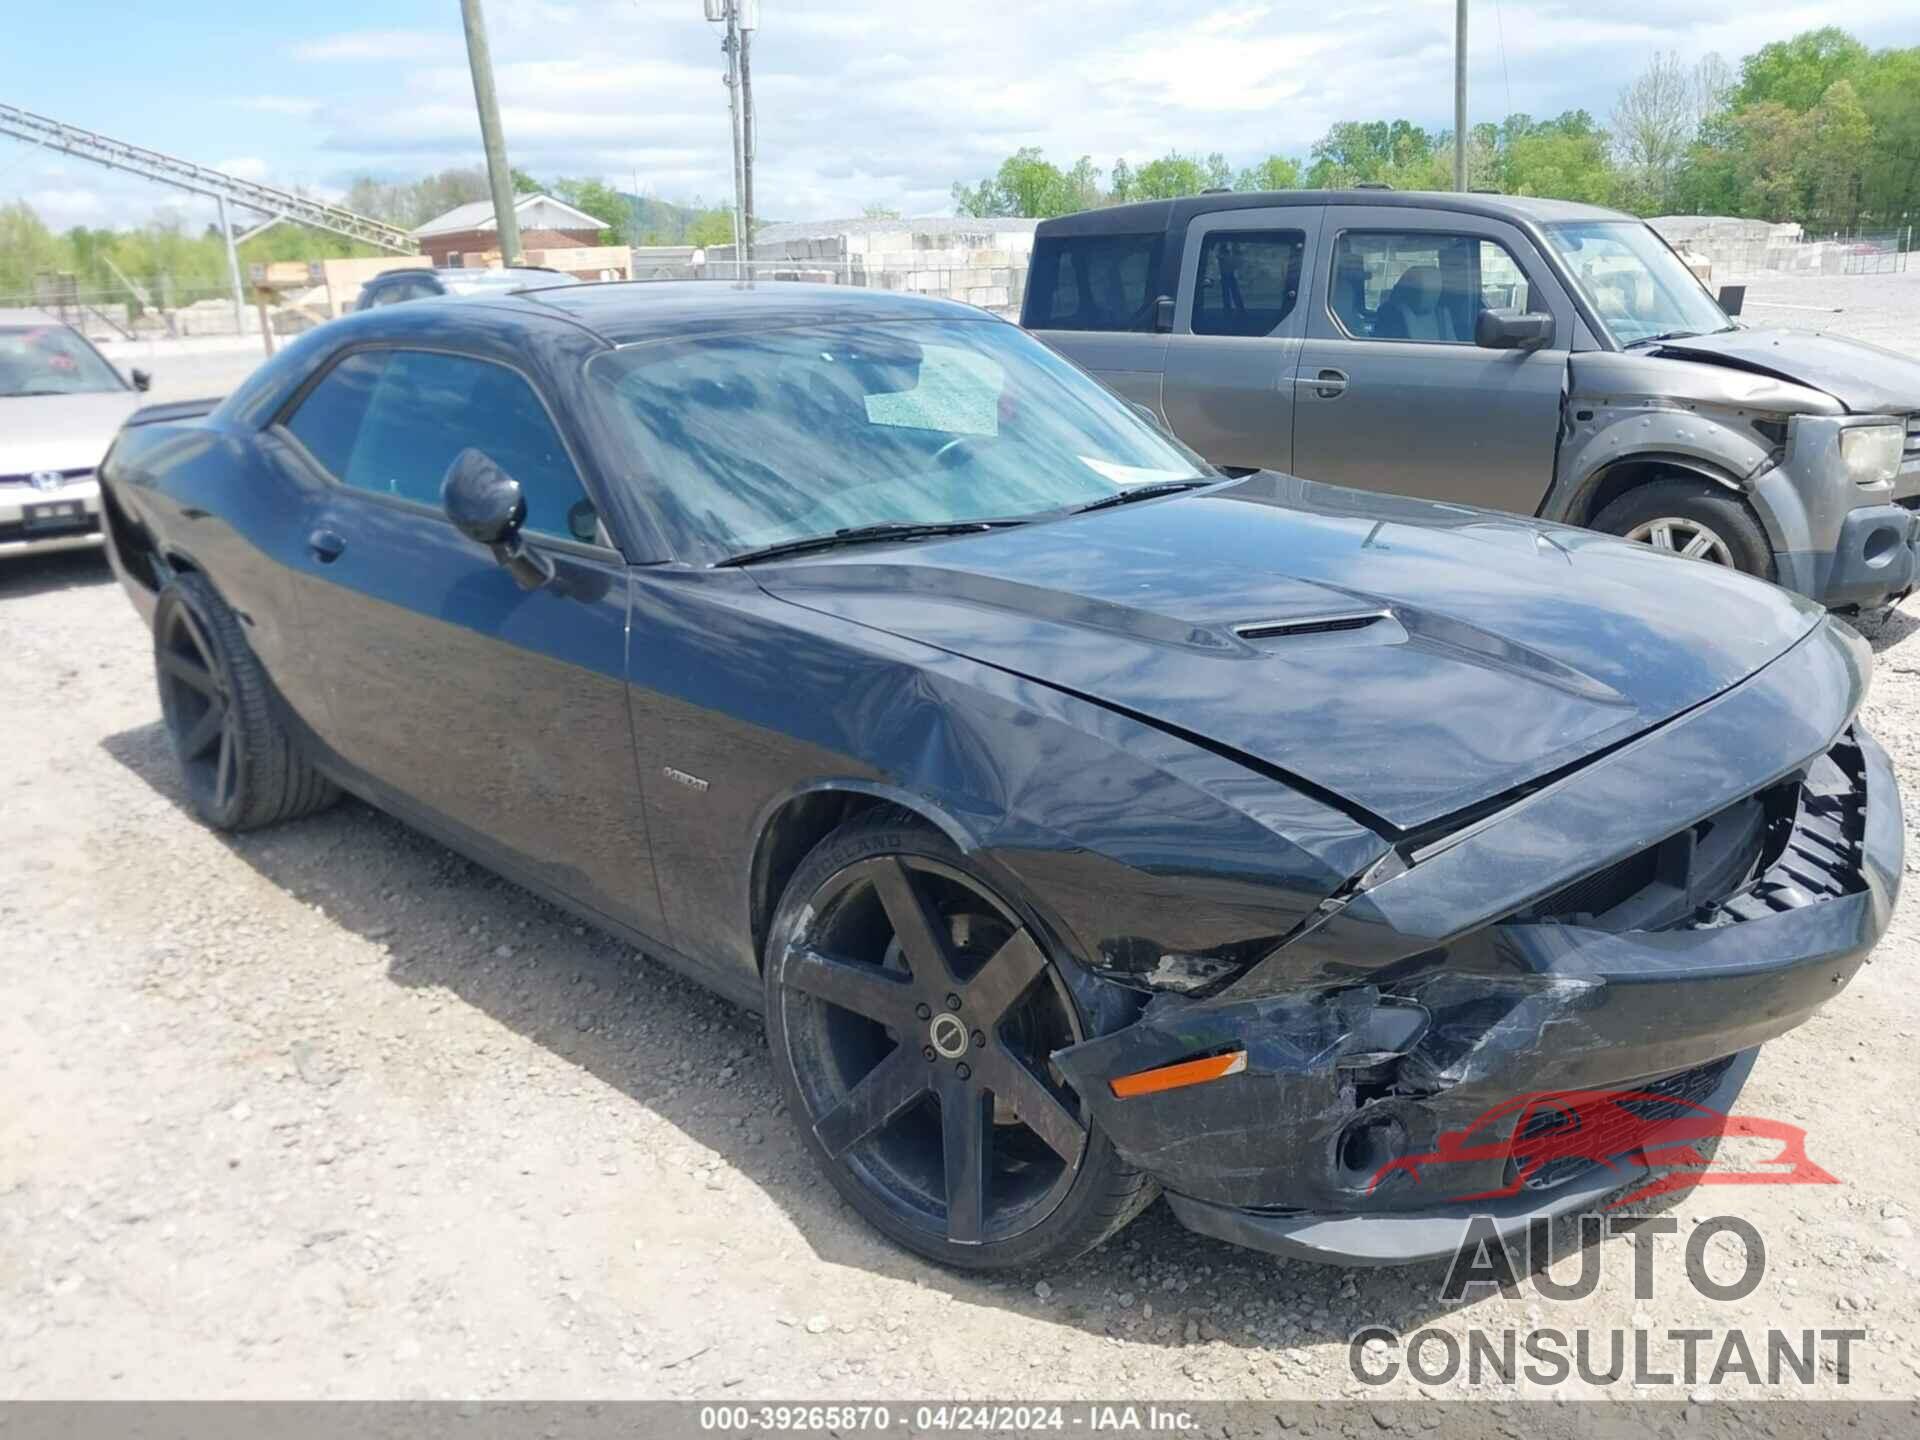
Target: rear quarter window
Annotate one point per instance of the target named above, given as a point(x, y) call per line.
point(1094, 282)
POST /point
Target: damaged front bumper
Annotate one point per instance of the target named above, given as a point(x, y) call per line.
point(1644, 923)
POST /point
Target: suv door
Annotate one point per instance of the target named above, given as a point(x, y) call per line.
point(1394, 394)
point(498, 713)
point(1092, 298)
point(1237, 332)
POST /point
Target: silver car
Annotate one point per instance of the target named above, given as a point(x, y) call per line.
point(61, 403)
point(1535, 356)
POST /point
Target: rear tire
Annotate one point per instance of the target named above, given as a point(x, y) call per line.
point(886, 944)
point(240, 766)
point(1678, 514)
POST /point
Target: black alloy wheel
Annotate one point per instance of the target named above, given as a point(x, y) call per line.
point(196, 697)
point(912, 1013)
point(240, 766)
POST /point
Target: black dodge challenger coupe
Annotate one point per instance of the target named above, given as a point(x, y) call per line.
point(1088, 824)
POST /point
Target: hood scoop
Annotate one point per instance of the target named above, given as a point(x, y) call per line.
point(1310, 625)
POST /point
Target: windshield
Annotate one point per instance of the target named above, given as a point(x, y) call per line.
point(751, 440)
point(51, 360)
point(1638, 286)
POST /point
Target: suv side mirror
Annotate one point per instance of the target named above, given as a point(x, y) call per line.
point(1733, 299)
point(485, 504)
point(1163, 315)
point(1512, 332)
point(142, 381)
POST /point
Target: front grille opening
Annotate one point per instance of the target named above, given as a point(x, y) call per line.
point(1789, 845)
point(1592, 1131)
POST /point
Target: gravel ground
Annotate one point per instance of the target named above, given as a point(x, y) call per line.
point(1880, 309)
point(327, 1111)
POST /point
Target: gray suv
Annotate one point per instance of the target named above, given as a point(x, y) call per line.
point(1535, 356)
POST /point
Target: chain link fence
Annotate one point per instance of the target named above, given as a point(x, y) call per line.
point(1866, 252)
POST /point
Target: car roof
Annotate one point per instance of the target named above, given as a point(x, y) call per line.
point(1155, 215)
point(625, 312)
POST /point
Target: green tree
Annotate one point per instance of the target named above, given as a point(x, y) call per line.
point(1890, 93)
point(27, 248)
point(525, 184)
point(1276, 172)
point(1029, 184)
point(1769, 141)
point(1834, 159)
point(878, 211)
point(1174, 175)
point(1564, 158)
point(604, 203)
point(1122, 190)
point(1352, 151)
point(1797, 73)
point(711, 227)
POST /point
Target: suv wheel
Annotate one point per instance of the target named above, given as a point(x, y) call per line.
point(1695, 519)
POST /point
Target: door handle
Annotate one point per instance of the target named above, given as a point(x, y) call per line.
point(326, 545)
point(1328, 384)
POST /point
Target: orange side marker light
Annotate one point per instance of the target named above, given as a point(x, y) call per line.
point(1172, 1077)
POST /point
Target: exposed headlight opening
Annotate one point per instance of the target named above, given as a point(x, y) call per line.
point(1870, 454)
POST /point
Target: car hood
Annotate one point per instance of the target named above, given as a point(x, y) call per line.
point(61, 432)
point(1865, 378)
point(1498, 651)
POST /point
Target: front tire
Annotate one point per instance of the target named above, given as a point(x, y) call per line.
point(910, 1014)
point(1692, 518)
point(240, 766)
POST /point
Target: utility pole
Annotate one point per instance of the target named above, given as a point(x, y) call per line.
point(499, 176)
point(732, 46)
point(740, 17)
point(233, 269)
point(749, 135)
point(1460, 94)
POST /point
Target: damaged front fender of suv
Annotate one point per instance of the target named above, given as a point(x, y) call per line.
point(1649, 918)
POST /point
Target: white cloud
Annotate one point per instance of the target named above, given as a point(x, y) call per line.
point(277, 105)
point(862, 103)
point(245, 167)
point(378, 45)
point(61, 207)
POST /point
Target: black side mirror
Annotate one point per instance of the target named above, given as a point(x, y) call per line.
point(1733, 298)
point(1494, 331)
point(485, 505)
point(142, 380)
point(1163, 315)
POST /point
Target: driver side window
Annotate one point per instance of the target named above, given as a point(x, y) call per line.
point(1423, 285)
point(391, 421)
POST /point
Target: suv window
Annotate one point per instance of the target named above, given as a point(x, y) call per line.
point(1095, 282)
point(1247, 282)
point(1422, 284)
point(392, 421)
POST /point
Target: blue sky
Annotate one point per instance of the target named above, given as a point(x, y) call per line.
point(859, 102)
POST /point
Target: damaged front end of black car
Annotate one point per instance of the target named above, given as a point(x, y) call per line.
point(1699, 916)
point(1363, 817)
